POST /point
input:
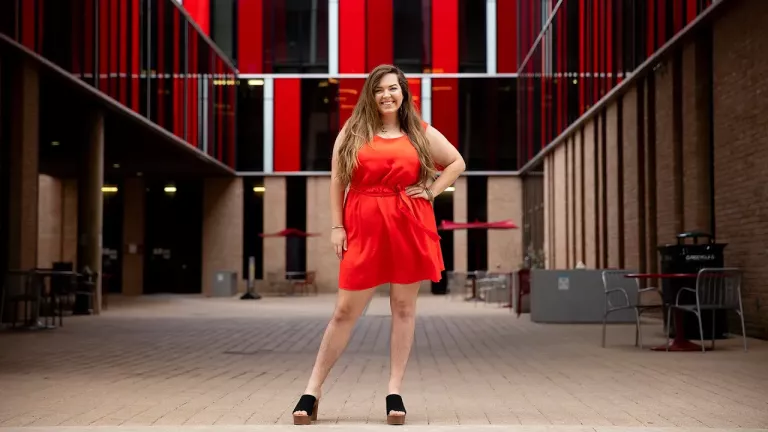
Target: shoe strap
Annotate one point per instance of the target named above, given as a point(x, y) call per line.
point(306, 403)
point(395, 403)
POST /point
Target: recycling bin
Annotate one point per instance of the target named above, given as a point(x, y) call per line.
point(686, 257)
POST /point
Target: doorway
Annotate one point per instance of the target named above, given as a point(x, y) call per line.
point(173, 237)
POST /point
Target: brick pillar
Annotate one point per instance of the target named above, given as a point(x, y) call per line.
point(460, 215)
point(222, 229)
point(134, 198)
point(23, 174)
point(274, 220)
point(505, 201)
point(320, 256)
point(92, 201)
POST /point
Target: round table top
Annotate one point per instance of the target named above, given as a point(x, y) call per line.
point(660, 275)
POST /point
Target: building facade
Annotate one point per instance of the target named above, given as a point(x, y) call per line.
point(594, 124)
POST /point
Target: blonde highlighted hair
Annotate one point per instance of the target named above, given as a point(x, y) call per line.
point(365, 121)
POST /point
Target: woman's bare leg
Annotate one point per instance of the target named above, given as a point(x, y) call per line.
point(349, 307)
point(402, 301)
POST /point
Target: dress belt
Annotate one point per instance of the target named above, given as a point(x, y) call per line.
point(404, 203)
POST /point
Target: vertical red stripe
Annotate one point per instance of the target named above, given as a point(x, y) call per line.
point(352, 36)
point(650, 27)
point(219, 110)
point(28, 24)
point(582, 29)
point(692, 12)
point(559, 72)
point(287, 138)
point(200, 11)
point(379, 38)
point(113, 49)
point(104, 45)
point(175, 71)
point(619, 30)
point(160, 63)
point(249, 36)
point(192, 119)
point(677, 16)
point(445, 37)
point(88, 36)
point(445, 108)
point(414, 86)
point(123, 46)
point(609, 41)
point(349, 93)
point(661, 24)
point(135, 50)
point(231, 121)
point(596, 51)
point(40, 26)
point(506, 36)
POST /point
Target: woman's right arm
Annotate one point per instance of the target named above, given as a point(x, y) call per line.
point(338, 232)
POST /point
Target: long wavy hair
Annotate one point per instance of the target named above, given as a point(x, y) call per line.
point(365, 121)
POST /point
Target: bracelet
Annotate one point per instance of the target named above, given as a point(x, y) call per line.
point(337, 227)
point(430, 194)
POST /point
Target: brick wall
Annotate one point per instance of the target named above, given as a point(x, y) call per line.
point(612, 186)
point(590, 234)
point(559, 188)
point(222, 229)
point(630, 182)
point(505, 201)
point(740, 43)
point(579, 199)
point(665, 174)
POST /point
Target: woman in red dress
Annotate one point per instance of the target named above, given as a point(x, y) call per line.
point(384, 159)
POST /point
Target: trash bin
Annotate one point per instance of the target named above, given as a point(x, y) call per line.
point(224, 284)
point(685, 257)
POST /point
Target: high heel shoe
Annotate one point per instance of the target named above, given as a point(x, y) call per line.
point(395, 403)
point(308, 404)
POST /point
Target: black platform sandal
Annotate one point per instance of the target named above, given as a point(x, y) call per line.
point(395, 403)
point(308, 404)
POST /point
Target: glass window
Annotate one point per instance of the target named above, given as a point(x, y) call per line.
point(319, 122)
point(250, 125)
point(296, 36)
point(224, 26)
point(472, 36)
point(488, 123)
point(412, 35)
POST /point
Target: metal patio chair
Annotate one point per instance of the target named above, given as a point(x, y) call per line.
point(616, 286)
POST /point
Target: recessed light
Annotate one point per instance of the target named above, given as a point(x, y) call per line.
point(55, 143)
point(139, 174)
point(116, 166)
point(259, 189)
point(170, 189)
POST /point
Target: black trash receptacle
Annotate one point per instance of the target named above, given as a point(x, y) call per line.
point(690, 258)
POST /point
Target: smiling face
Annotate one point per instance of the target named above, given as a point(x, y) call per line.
point(388, 94)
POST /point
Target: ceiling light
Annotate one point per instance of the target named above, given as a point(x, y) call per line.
point(109, 189)
point(55, 143)
point(116, 166)
point(256, 82)
point(170, 189)
point(259, 189)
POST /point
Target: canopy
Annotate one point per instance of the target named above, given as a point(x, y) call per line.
point(290, 232)
point(450, 225)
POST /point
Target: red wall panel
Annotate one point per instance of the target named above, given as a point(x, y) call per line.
point(379, 37)
point(123, 46)
point(352, 36)
point(28, 24)
point(445, 108)
point(103, 69)
point(135, 50)
point(113, 49)
point(200, 10)
point(287, 132)
point(414, 86)
point(691, 10)
point(349, 93)
point(250, 43)
point(445, 37)
point(506, 36)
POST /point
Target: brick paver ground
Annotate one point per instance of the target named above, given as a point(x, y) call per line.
point(181, 361)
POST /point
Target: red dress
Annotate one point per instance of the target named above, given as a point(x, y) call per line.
point(390, 236)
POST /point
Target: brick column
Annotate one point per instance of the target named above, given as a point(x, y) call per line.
point(92, 200)
point(222, 229)
point(505, 201)
point(460, 215)
point(320, 255)
point(274, 220)
point(134, 197)
point(23, 175)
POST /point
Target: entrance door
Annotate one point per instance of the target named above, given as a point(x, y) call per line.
point(174, 236)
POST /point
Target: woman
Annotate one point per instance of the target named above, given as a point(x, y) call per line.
point(386, 230)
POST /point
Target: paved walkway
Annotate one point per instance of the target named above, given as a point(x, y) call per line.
point(179, 362)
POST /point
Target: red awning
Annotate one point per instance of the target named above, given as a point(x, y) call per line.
point(450, 225)
point(290, 232)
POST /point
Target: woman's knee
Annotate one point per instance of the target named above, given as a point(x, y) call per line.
point(403, 308)
point(344, 313)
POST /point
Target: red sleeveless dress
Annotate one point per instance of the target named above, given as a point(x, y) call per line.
point(390, 236)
